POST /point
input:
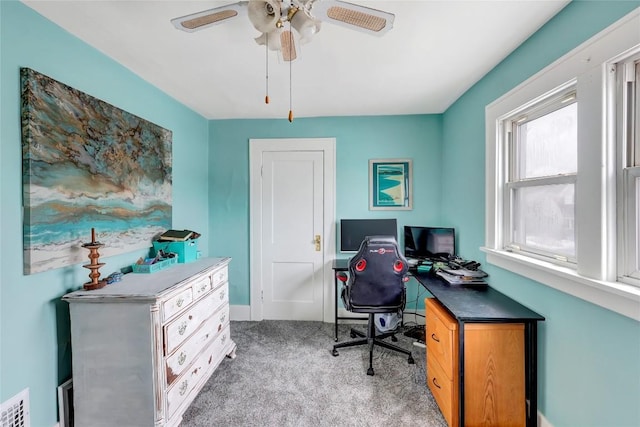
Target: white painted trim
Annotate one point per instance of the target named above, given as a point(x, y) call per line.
point(256, 147)
point(239, 312)
point(542, 421)
point(592, 280)
point(619, 297)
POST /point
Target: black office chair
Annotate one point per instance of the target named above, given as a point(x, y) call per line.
point(376, 284)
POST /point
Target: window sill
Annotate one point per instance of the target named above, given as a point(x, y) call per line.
point(615, 296)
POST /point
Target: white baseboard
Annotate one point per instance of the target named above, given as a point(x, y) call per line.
point(542, 421)
point(240, 312)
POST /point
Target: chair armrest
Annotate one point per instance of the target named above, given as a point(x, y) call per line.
point(342, 276)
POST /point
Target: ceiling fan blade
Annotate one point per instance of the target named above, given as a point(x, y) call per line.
point(288, 46)
point(368, 20)
point(207, 18)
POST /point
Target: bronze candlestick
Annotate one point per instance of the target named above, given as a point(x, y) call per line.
point(94, 266)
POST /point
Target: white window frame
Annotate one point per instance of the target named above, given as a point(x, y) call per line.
point(628, 138)
point(594, 276)
point(546, 104)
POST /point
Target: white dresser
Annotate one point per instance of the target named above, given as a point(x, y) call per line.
point(144, 347)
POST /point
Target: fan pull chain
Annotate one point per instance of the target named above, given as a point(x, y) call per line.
point(266, 49)
point(290, 61)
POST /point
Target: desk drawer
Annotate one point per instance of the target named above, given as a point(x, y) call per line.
point(441, 337)
point(444, 392)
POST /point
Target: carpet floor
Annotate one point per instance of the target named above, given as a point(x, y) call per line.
point(284, 375)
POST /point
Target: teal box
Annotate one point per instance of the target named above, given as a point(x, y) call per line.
point(187, 251)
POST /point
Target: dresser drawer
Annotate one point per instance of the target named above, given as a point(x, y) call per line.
point(220, 297)
point(179, 329)
point(441, 337)
point(184, 355)
point(201, 287)
point(220, 276)
point(179, 392)
point(176, 303)
point(443, 391)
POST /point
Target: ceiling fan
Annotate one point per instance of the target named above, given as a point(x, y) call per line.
point(303, 16)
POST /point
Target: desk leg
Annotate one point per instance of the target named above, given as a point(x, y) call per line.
point(531, 377)
point(461, 371)
point(335, 300)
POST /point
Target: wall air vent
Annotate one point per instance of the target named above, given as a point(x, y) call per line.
point(15, 411)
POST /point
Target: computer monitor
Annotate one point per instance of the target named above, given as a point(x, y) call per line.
point(353, 231)
point(429, 242)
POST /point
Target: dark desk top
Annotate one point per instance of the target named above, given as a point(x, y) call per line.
point(468, 303)
point(476, 303)
point(340, 264)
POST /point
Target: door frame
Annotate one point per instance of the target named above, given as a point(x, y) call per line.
point(256, 148)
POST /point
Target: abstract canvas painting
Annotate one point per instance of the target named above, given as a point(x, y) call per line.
point(88, 164)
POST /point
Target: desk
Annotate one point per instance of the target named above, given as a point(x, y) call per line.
point(477, 304)
point(483, 304)
point(339, 265)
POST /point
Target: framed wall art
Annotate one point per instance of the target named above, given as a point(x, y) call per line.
point(87, 164)
point(390, 184)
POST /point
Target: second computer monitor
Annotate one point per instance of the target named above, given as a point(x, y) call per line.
point(429, 242)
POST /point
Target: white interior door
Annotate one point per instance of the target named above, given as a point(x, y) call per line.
point(291, 225)
point(290, 233)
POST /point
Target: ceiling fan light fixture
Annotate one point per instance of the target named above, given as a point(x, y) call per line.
point(305, 25)
point(264, 14)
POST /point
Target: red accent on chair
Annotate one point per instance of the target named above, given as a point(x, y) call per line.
point(361, 265)
point(398, 266)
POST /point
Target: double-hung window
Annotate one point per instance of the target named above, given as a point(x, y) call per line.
point(563, 173)
point(628, 176)
point(541, 162)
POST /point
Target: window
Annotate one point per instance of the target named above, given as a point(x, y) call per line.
point(563, 173)
point(628, 121)
point(542, 162)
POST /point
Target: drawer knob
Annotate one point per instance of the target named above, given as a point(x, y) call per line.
point(222, 318)
point(222, 295)
point(180, 302)
point(223, 339)
point(435, 382)
point(182, 328)
point(182, 358)
point(435, 338)
point(183, 387)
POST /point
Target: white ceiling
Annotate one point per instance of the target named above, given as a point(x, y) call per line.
point(434, 53)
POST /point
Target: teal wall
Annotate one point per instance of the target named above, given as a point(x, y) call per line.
point(34, 323)
point(358, 139)
point(589, 357)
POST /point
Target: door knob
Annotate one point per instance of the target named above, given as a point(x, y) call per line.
point(317, 242)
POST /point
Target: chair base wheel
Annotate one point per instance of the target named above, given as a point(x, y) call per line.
point(334, 352)
point(370, 372)
point(410, 360)
point(393, 338)
point(353, 335)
